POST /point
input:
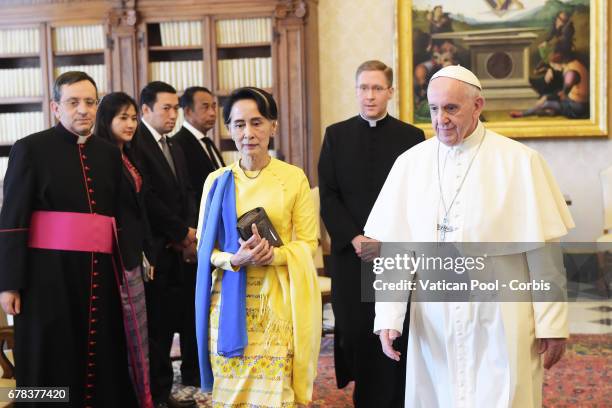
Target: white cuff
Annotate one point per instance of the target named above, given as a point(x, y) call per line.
point(389, 315)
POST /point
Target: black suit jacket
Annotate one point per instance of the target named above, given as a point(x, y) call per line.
point(199, 164)
point(169, 200)
point(135, 232)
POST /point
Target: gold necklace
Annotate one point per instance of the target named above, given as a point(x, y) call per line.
point(258, 173)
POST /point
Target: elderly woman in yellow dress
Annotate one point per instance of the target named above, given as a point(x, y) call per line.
point(258, 312)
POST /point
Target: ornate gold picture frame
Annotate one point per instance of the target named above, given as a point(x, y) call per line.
point(542, 63)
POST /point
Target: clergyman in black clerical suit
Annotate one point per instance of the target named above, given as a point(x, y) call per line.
point(356, 157)
point(69, 328)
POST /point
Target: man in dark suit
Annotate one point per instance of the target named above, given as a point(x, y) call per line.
point(356, 157)
point(172, 215)
point(203, 157)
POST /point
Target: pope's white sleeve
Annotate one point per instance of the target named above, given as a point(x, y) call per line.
point(550, 313)
point(387, 224)
point(387, 219)
point(389, 315)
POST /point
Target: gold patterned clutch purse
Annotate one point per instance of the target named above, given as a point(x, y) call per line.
point(265, 228)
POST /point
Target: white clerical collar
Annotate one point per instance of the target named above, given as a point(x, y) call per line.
point(198, 135)
point(83, 139)
point(473, 139)
point(373, 122)
point(154, 132)
point(80, 138)
point(470, 142)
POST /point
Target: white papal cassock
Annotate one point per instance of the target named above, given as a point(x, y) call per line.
point(473, 354)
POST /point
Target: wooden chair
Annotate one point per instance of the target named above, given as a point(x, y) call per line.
point(7, 343)
point(322, 249)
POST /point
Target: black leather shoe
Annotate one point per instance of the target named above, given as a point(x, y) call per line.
point(174, 403)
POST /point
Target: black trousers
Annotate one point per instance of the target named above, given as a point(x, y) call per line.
point(190, 369)
point(379, 381)
point(170, 309)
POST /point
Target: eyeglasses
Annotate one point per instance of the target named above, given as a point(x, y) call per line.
point(376, 89)
point(73, 103)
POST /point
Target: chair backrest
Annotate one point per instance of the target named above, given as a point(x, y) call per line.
point(7, 341)
point(606, 186)
point(3, 318)
point(318, 259)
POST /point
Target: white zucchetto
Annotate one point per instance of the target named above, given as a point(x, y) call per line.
point(459, 73)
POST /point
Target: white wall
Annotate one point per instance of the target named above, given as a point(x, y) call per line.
point(352, 31)
point(576, 165)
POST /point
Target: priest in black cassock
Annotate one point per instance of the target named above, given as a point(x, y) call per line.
point(57, 276)
point(356, 157)
point(201, 154)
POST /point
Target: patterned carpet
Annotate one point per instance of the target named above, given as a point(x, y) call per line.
point(582, 379)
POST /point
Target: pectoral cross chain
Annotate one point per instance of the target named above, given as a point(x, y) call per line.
point(444, 228)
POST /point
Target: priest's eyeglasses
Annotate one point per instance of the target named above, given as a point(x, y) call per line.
point(376, 89)
point(73, 103)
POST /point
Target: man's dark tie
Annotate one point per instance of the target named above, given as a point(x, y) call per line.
point(213, 153)
point(166, 151)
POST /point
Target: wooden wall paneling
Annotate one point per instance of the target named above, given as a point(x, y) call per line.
point(44, 67)
point(182, 8)
point(37, 11)
point(125, 63)
point(143, 58)
point(274, 54)
point(214, 75)
point(294, 52)
point(277, 89)
point(291, 78)
point(283, 136)
point(108, 53)
point(47, 51)
point(124, 54)
point(312, 86)
point(207, 51)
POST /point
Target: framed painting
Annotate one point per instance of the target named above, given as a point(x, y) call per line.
point(542, 63)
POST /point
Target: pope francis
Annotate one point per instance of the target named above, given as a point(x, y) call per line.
point(470, 184)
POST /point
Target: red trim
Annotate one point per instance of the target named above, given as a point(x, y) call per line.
point(83, 168)
point(90, 332)
point(133, 172)
point(14, 230)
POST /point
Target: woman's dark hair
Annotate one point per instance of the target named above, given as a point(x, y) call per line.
point(265, 102)
point(109, 107)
